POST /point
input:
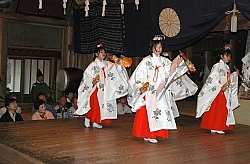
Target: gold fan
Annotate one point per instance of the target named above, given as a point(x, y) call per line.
point(169, 22)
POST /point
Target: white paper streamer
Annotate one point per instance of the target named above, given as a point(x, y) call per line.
point(104, 3)
point(40, 4)
point(137, 4)
point(86, 9)
point(122, 7)
point(64, 7)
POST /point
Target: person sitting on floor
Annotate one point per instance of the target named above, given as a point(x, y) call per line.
point(61, 109)
point(122, 106)
point(41, 96)
point(11, 115)
point(73, 108)
point(4, 109)
point(69, 95)
point(41, 112)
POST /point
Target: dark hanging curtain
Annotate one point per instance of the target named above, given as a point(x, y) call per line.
point(129, 34)
point(244, 7)
point(197, 18)
point(94, 29)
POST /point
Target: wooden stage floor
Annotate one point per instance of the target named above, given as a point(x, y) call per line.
point(68, 141)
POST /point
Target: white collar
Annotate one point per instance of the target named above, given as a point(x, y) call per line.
point(156, 59)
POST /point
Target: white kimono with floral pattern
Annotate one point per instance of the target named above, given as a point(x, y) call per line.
point(211, 88)
point(155, 70)
point(112, 85)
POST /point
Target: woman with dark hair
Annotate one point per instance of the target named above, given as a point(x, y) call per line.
point(41, 113)
point(150, 95)
point(218, 96)
point(4, 109)
point(102, 83)
point(11, 105)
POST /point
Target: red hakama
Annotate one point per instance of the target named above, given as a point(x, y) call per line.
point(94, 113)
point(141, 126)
point(216, 117)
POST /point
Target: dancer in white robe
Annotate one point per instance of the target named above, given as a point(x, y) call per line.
point(218, 96)
point(102, 83)
point(154, 105)
point(246, 74)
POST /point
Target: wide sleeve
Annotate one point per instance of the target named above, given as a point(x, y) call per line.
point(183, 87)
point(209, 91)
point(117, 81)
point(137, 79)
point(85, 89)
point(173, 74)
point(233, 100)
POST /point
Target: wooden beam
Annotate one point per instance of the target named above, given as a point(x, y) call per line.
point(35, 20)
point(3, 48)
point(243, 23)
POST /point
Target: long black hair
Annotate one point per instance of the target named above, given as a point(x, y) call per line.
point(98, 49)
point(157, 39)
point(226, 50)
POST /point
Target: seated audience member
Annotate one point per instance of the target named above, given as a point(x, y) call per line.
point(41, 87)
point(61, 109)
point(69, 95)
point(11, 115)
point(4, 109)
point(41, 112)
point(41, 96)
point(122, 106)
point(73, 108)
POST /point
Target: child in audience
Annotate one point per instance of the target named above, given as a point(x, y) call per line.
point(73, 108)
point(69, 95)
point(122, 106)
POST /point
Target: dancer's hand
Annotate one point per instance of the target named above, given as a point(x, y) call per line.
point(144, 87)
point(225, 86)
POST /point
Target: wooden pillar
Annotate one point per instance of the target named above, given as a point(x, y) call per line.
point(3, 50)
point(189, 53)
point(207, 56)
point(68, 57)
point(233, 50)
point(71, 54)
point(207, 65)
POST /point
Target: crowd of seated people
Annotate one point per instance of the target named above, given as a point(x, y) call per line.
point(41, 110)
